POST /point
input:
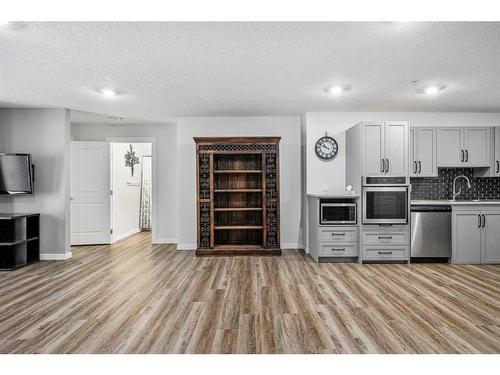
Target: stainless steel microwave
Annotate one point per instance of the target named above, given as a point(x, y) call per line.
point(333, 213)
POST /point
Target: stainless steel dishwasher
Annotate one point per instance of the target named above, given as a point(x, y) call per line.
point(430, 231)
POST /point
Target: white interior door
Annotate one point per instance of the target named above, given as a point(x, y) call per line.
point(90, 193)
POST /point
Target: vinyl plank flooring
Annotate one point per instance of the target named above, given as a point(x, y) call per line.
point(134, 297)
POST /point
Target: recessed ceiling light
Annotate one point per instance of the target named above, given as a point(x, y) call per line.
point(431, 89)
point(109, 92)
point(337, 89)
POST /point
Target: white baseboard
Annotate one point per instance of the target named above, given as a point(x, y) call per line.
point(63, 256)
point(186, 246)
point(291, 246)
point(118, 237)
point(165, 240)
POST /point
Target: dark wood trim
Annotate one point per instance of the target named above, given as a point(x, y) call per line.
point(217, 251)
point(237, 140)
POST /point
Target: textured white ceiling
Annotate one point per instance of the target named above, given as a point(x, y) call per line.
point(198, 69)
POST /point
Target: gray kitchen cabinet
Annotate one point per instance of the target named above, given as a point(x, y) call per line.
point(373, 143)
point(466, 237)
point(496, 153)
point(476, 238)
point(396, 148)
point(464, 147)
point(423, 154)
point(490, 251)
point(449, 147)
point(413, 156)
point(385, 148)
point(494, 169)
point(476, 144)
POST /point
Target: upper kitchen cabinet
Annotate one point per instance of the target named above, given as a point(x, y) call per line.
point(494, 169)
point(373, 145)
point(423, 153)
point(464, 147)
point(496, 153)
point(385, 148)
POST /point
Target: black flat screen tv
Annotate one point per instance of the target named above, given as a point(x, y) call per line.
point(16, 174)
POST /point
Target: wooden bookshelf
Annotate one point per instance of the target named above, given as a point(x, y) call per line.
point(238, 195)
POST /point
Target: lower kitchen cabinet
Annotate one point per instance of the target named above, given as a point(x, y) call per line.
point(386, 253)
point(466, 237)
point(491, 238)
point(476, 236)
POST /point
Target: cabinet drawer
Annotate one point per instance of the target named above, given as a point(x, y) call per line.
point(385, 252)
point(343, 234)
point(387, 238)
point(337, 249)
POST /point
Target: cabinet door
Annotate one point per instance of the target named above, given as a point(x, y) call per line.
point(426, 152)
point(496, 160)
point(373, 144)
point(449, 147)
point(396, 148)
point(490, 252)
point(413, 166)
point(477, 146)
point(466, 237)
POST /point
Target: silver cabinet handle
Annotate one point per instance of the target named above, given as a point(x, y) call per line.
point(466, 156)
point(385, 252)
point(388, 166)
point(498, 166)
point(385, 237)
point(415, 169)
point(338, 234)
point(484, 221)
point(463, 156)
point(479, 221)
point(419, 166)
point(382, 165)
point(334, 249)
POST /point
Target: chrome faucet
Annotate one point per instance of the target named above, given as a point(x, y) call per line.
point(455, 193)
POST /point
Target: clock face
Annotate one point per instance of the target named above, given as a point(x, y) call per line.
point(326, 148)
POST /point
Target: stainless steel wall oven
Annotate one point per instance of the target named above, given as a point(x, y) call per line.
point(385, 200)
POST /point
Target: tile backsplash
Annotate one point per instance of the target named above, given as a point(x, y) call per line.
point(441, 187)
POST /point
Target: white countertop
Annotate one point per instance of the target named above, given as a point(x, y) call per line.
point(332, 195)
point(455, 203)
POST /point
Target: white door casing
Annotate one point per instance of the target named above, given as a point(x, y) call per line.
point(90, 193)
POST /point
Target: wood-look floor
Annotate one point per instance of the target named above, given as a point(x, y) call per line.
point(134, 297)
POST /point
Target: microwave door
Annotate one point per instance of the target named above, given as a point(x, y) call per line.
point(337, 213)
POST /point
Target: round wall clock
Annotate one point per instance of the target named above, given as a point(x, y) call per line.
point(326, 148)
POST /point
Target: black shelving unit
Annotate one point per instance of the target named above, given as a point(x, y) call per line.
point(19, 240)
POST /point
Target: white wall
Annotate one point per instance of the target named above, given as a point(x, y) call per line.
point(320, 173)
point(126, 197)
point(44, 133)
point(165, 224)
point(290, 168)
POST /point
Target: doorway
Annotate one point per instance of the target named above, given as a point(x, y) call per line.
point(112, 190)
point(131, 188)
